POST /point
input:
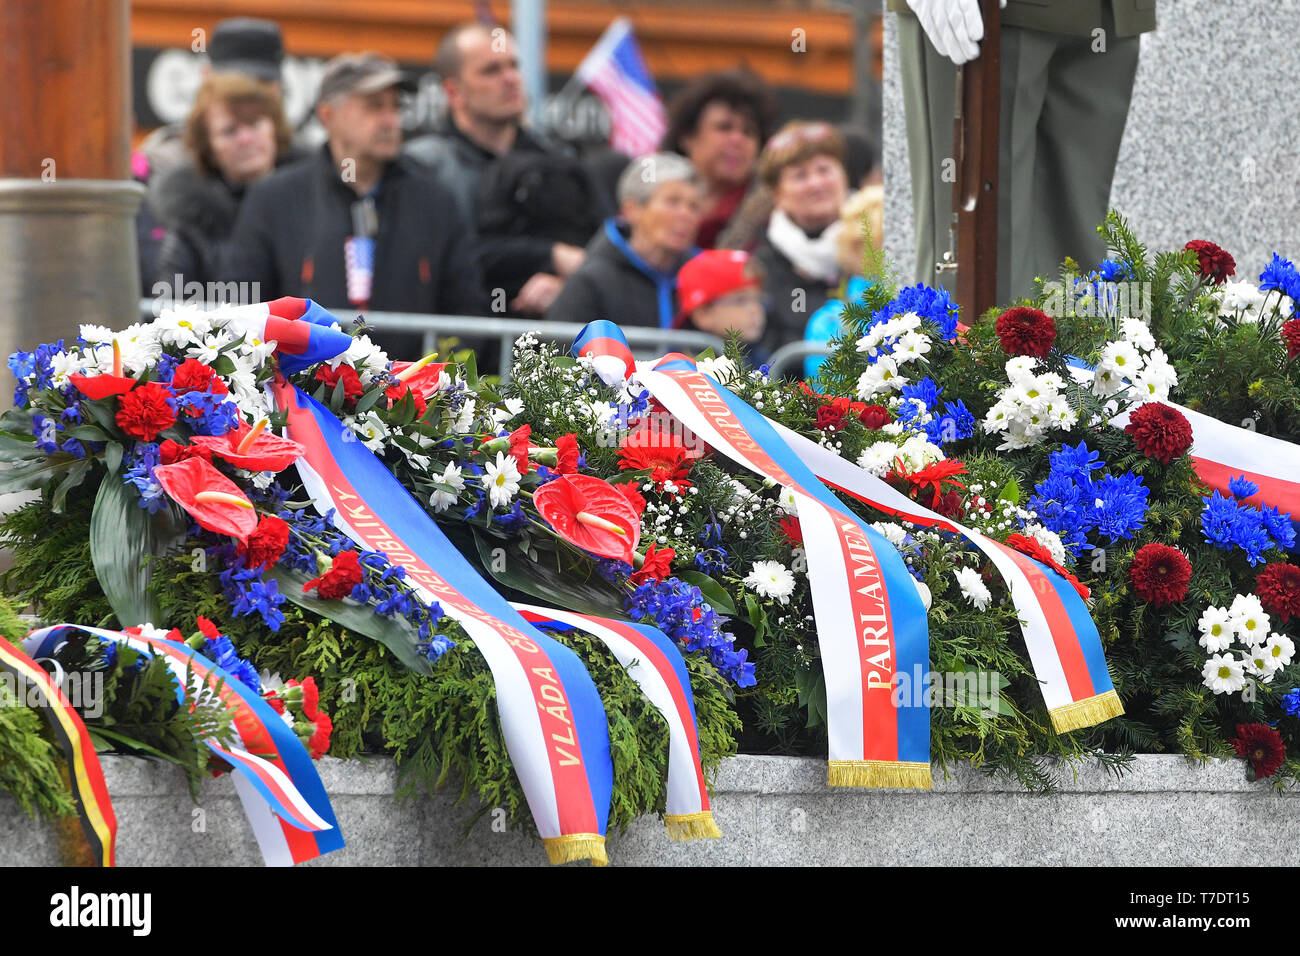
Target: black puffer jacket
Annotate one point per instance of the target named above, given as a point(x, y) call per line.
point(198, 211)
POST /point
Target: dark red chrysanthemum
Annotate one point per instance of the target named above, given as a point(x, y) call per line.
point(1026, 332)
point(1159, 431)
point(1160, 574)
point(1215, 263)
point(1291, 336)
point(1262, 746)
point(143, 412)
point(1278, 589)
point(340, 579)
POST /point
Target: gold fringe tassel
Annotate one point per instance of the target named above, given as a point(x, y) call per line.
point(692, 826)
point(576, 846)
point(1085, 713)
point(912, 775)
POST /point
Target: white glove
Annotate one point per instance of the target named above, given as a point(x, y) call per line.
point(955, 27)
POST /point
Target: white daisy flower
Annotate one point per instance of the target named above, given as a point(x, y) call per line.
point(1279, 651)
point(451, 475)
point(771, 579)
point(501, 479)
point(1217, 631)
point(877, 458)
point(720, 368)
point(973, 588)
point(1223, 674)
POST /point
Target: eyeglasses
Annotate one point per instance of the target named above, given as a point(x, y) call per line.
point(804, 133)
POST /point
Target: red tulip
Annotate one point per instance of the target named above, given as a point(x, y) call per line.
point(252, 448)
point(212, 499)
point(591, 514)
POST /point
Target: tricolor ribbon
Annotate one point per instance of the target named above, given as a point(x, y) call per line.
point(551, 714)
point(359, 268)
point(871, 624)
point(1060, 635)
point(604, 343)
point(282, 794)
point(304, 333)
point(89, 791)
point(655, 663)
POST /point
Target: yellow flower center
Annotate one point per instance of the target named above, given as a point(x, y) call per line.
point(1225, 672)
point(501, 479)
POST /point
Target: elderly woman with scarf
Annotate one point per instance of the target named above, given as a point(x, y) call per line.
point(629, 275)
point(803, 166)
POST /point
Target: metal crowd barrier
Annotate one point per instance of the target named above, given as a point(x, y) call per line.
point(793, 354)
point(645, 342)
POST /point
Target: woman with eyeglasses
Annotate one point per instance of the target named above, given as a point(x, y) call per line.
point(236, 134)
point(803, 167)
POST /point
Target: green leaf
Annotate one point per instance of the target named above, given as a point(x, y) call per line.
point(396, 634)
point(34, 473)
point(367, 401)
point(713, 591)
point(76, 474)
point(113, 457)
point(757, 620)
point(564, 587)
point(123, 539)
point(103, 414)
point(1010, 492)
point(337, 395)
point(810, 682)
point(223, 364)
point(86, 433)
point(471, 370)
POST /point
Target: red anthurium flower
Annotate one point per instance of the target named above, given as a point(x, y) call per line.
point(422, 380)
point(591, 514)
point(103, 385)
point(658, 562)
point(397, 392)
point(252, 448)
point(212, 499)
point(352, 387)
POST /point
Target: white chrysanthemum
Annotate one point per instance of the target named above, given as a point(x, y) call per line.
point(210, 347)
point(881, 376)
point(1122, 356)
point(1279, 651)
point(182, 326)
point(923, 590)
point(1108, 381)
point(363, 355)
point(372, 431)
point(63, 364)
point(96, 334)
point(1217, 630)
point(1223, 674)
point(1139, 333)
point(501, 479)
point(918, 451)
point(1060, 414)
point(150, 633)
point(877, 458)
point(512, 408)
point(721, 368)
point(451, 476)
point(910, 347)
point(771, 579)
point(465, 419)
point(787, 501)
point(1239, 297)
point(973, 588)
point(893, 533)
point(1249, 619)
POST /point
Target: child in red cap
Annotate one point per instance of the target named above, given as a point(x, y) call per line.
point(721, 290)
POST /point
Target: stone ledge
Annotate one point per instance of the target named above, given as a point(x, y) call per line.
point(772, 811)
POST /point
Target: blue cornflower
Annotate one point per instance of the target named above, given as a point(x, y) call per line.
point(1219, 519)
point(1112, 270)
point(932, 304)
point(1291, 702)
point(1279, 526)
point(1120, 505)
point(1242, 487)
point(927, 390)
point(1280, 274)
point(223, 654)
point(1075, 463)
point(956, 424)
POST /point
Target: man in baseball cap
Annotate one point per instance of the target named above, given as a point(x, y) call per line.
point(721, 290)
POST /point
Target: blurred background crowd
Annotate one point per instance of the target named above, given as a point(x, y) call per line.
point(725, 204)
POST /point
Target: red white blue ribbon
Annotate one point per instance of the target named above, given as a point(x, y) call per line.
point(871, 624)
point(605, 344)
point(1060, 635)
point(304, 333)
point(655, 663)
point(275, 777)
point(359, 268)
point(551, 713)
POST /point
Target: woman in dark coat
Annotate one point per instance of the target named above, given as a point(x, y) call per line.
point(236, 133)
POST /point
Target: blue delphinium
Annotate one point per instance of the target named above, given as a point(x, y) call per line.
point(139, 474)
point(679, 610)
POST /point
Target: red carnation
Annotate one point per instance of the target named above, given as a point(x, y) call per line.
point(267, 542)
point(340, 579)
point(1262, 746)
point(1038, 551)
point(1160, 574)
point(1291, 335)
point(792, 530)
point(566, 454)
point(1026, 332)
point(519, 439)
point(1278, 588)
point(320, 738)
point(658, 562)
point(207, 628)
point(143, 412)
point(875, 416)
point(832, 414)
point(1159, 431)
point(633, 496)
point(1214, 262)
point(193, 376)
point(169, 452)
point(352, 387)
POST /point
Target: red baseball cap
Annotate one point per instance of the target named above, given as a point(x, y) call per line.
point(710, 275)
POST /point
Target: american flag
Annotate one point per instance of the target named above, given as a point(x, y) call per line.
point(616, 72)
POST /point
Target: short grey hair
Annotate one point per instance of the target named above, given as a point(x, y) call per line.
point(646, 174)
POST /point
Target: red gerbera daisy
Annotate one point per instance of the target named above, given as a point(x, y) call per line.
point(1160, 431)
point(1160, 574)
point(1278, 588)
point(1026, 332)
point(1262, 746)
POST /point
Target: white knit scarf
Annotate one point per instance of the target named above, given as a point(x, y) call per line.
point(814, 258)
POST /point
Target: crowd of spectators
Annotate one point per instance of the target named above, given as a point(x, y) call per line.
point(734, 225)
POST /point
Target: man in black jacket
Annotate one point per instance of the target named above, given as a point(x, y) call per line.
point(293, 225)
